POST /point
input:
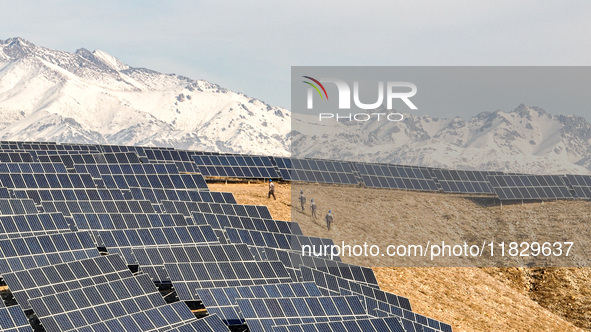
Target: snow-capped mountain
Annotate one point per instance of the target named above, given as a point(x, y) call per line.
point(527, 140)
point(92, 97)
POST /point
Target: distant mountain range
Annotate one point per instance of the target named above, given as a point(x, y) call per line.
point(92, 97)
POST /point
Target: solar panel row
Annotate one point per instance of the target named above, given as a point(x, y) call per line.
point(156, 195)
point(240, 166)
point(316, 170)
point(222, 221)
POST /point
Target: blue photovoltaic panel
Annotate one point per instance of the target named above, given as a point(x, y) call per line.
point(93, 158)
point(526, 187)
point(464, 182)
point(31, 252)
point(52, 279)
point(241, 210)
point(87, 194)
point(73, 309)
point(277, 240)
point(262, 314)
point(581, 185)
point(236, 166)
point(16, 157)
point(17, 206)
point(98, 170)
point(13, 319)
point(157, 195)
point(222, 301)
point(33, 168)
point(119, 206)
point(221, 221)
point(87, 221)
point(32, 224)
point(188, 277)
point(389, 324)
point(316, 170)
point(161, 236)
point(210, 323)
point(46, 180)
point(166, 181)
point(396, 177)
point(4, 193)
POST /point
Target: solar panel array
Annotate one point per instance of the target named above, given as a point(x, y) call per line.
point(237, 166)
point(88, 231)
point(316, 170)
point(470, 182)
point(580, 184)
point(526, 187)
point(396, 177)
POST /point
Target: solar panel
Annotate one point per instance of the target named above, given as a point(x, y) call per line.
point(4, 193)
point(88, 194)
point(157, 195)
point(188, 277)
point(151, 260)
point(93, 304)
point(359, 325)
point(236, 166)
point(31, 252)
point(16, 157)
point(581, 185)
point(316, 170)
point(32, 225)
point(222, 301)
point(13, 319)
point(33, 168)
point(468, 182)
point(396, 177)
point(166, 181)
point(98, 170)
point(92, 158)
point(276, 240)
point(86, 221)
point(17, 206)
point(157, 236)
point(262, 314)
point(46, 180)
point(526, 187)
point(241, 210)
point(221, 221)
point(211, 323)
point(52, 279)
point(104, 206)
point(347, 271)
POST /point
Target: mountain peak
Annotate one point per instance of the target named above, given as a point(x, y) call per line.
point(102, 59)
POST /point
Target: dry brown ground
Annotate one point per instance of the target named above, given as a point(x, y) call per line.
point(471, 299)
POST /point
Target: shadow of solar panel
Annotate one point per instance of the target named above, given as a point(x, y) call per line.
point(67, 310)
point(396, 177)
point(316, 170)
point(211, 323)
point(161, 236)
point(221, 221)
point(13, 319)
point(581, 185)
point(52, 279)
point(530, 187)
point(263, 314)
point(188, 277)
point(222, 301)
point(102, 206)
point(88, 221)
point(464, 182)
point(187, 208)
point(361, 325)
point(17, 206)
point(31, 252)
point(32, 225)
point(88, 194)
point(297, 243)
point(156, 195)
point(236, 166)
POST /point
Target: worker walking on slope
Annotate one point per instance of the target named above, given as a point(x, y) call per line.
point(302, 200)
point(313, 208)
point(329, 219)
point(271, 190)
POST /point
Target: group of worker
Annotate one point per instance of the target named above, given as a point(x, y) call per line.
point(313, 207)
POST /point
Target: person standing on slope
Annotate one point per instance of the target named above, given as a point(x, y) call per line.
point(302, 200)
point(313, 208)
point(271, 190)
point(329, 219)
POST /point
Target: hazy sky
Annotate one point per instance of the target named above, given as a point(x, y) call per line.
point(250, 46)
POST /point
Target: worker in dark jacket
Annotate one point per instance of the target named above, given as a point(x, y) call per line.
point(271, 190)
point(329, 219)
point(313, 208)
point(302, 200)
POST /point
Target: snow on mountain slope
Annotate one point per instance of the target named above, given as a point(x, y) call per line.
point(89, 97)
point(527, 140)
